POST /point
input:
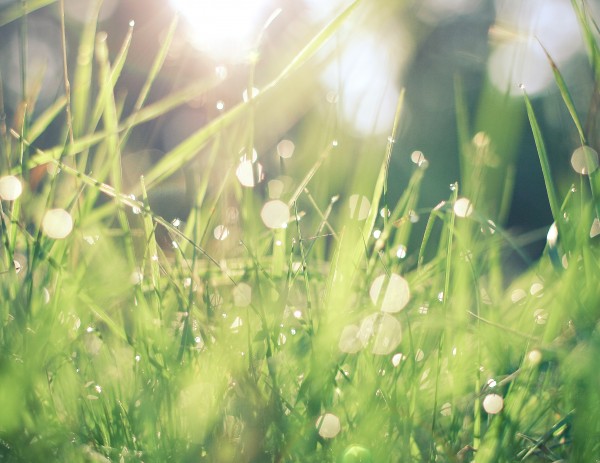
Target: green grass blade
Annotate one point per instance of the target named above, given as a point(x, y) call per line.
point(187, 149)
point(18, 10)
point(82, 81)
point(566, 95)
point(45, 119)
point(543, 155)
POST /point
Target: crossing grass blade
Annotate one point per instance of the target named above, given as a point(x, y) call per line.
point(19, 9)
point(42, 122)
point(186, 150)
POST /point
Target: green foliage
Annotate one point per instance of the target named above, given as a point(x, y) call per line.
point(134, 338)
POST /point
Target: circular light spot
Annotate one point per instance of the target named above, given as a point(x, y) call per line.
point(276, 188)
point(418, 158)
point(349, 342)
point(328, 425)
point(401, 252)
point(275, 214)
point(463, 207)
point(359, 207)
point(584, 160)
point(10, 188)
point(57, 223)
point(534, 357)
point(249, 174)
point(383, 330)
point(285, 148)
point(221, 232)
point(493, 404)
point(242, 295)
point(536, 289)
point(397, 293)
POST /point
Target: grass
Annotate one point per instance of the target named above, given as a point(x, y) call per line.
point(134, 338)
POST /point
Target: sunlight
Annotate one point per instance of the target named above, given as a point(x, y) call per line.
point(226, 29)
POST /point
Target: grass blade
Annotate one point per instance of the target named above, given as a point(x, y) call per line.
point(543, 155)
point(18, 10)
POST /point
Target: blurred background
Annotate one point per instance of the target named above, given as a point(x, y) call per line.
point(459, 61)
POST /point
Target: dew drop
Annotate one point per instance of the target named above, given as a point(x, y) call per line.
point(401, 252)
point(418, 158)
point(253, 95)
point(413, 216)
point(446, 409)
point(220, 105)
point(10, 188)
point(397, 359)
point(57, 223)
point(419, 356)
point(176, 223)
point(481, 140)
point(334, 143)
point(242, 295)
point(249, 174)
point(18, 266)
point(383, 330)
point(491, 383)
point(359, 207)
point(536, 289)
point(349, 341)
point(391, 140)
point(584, 160)
point(453, 186)
point(463, 207)
point(236, 325)
point(328, 425)
point(540, 316)
point(285, 149)
point(134, 207)
point(131, 23)
point(595, 230)
point(221, 232)
point(376, 234)
point(397, 292)
point(517, 295)
point(534, 357)
point(136, 277)
point(275, 214)
point(493, 404)
point(424, 309)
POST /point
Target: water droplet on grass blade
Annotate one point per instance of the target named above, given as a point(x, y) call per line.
point(285, 149)
point(328, 425)
point(349, 342)
point(57, 223)
point(254, 94)
point(383, 330)
point(595, 230)
point(463, 207)
point(10, 188)
point(275, 214)
point(221, 232)
point(401, 252)
point(418, 158)
point(540, 316)
point(359, 207)
point(446, 409)
point(517, 295)
point(493, 404)
point(397, 292)
point(249, 174)
point(220, 105)
point(584, 160)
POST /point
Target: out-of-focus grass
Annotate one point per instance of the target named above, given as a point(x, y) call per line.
point(219, 339)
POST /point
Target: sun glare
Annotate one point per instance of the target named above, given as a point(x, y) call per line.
point(224, 29)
